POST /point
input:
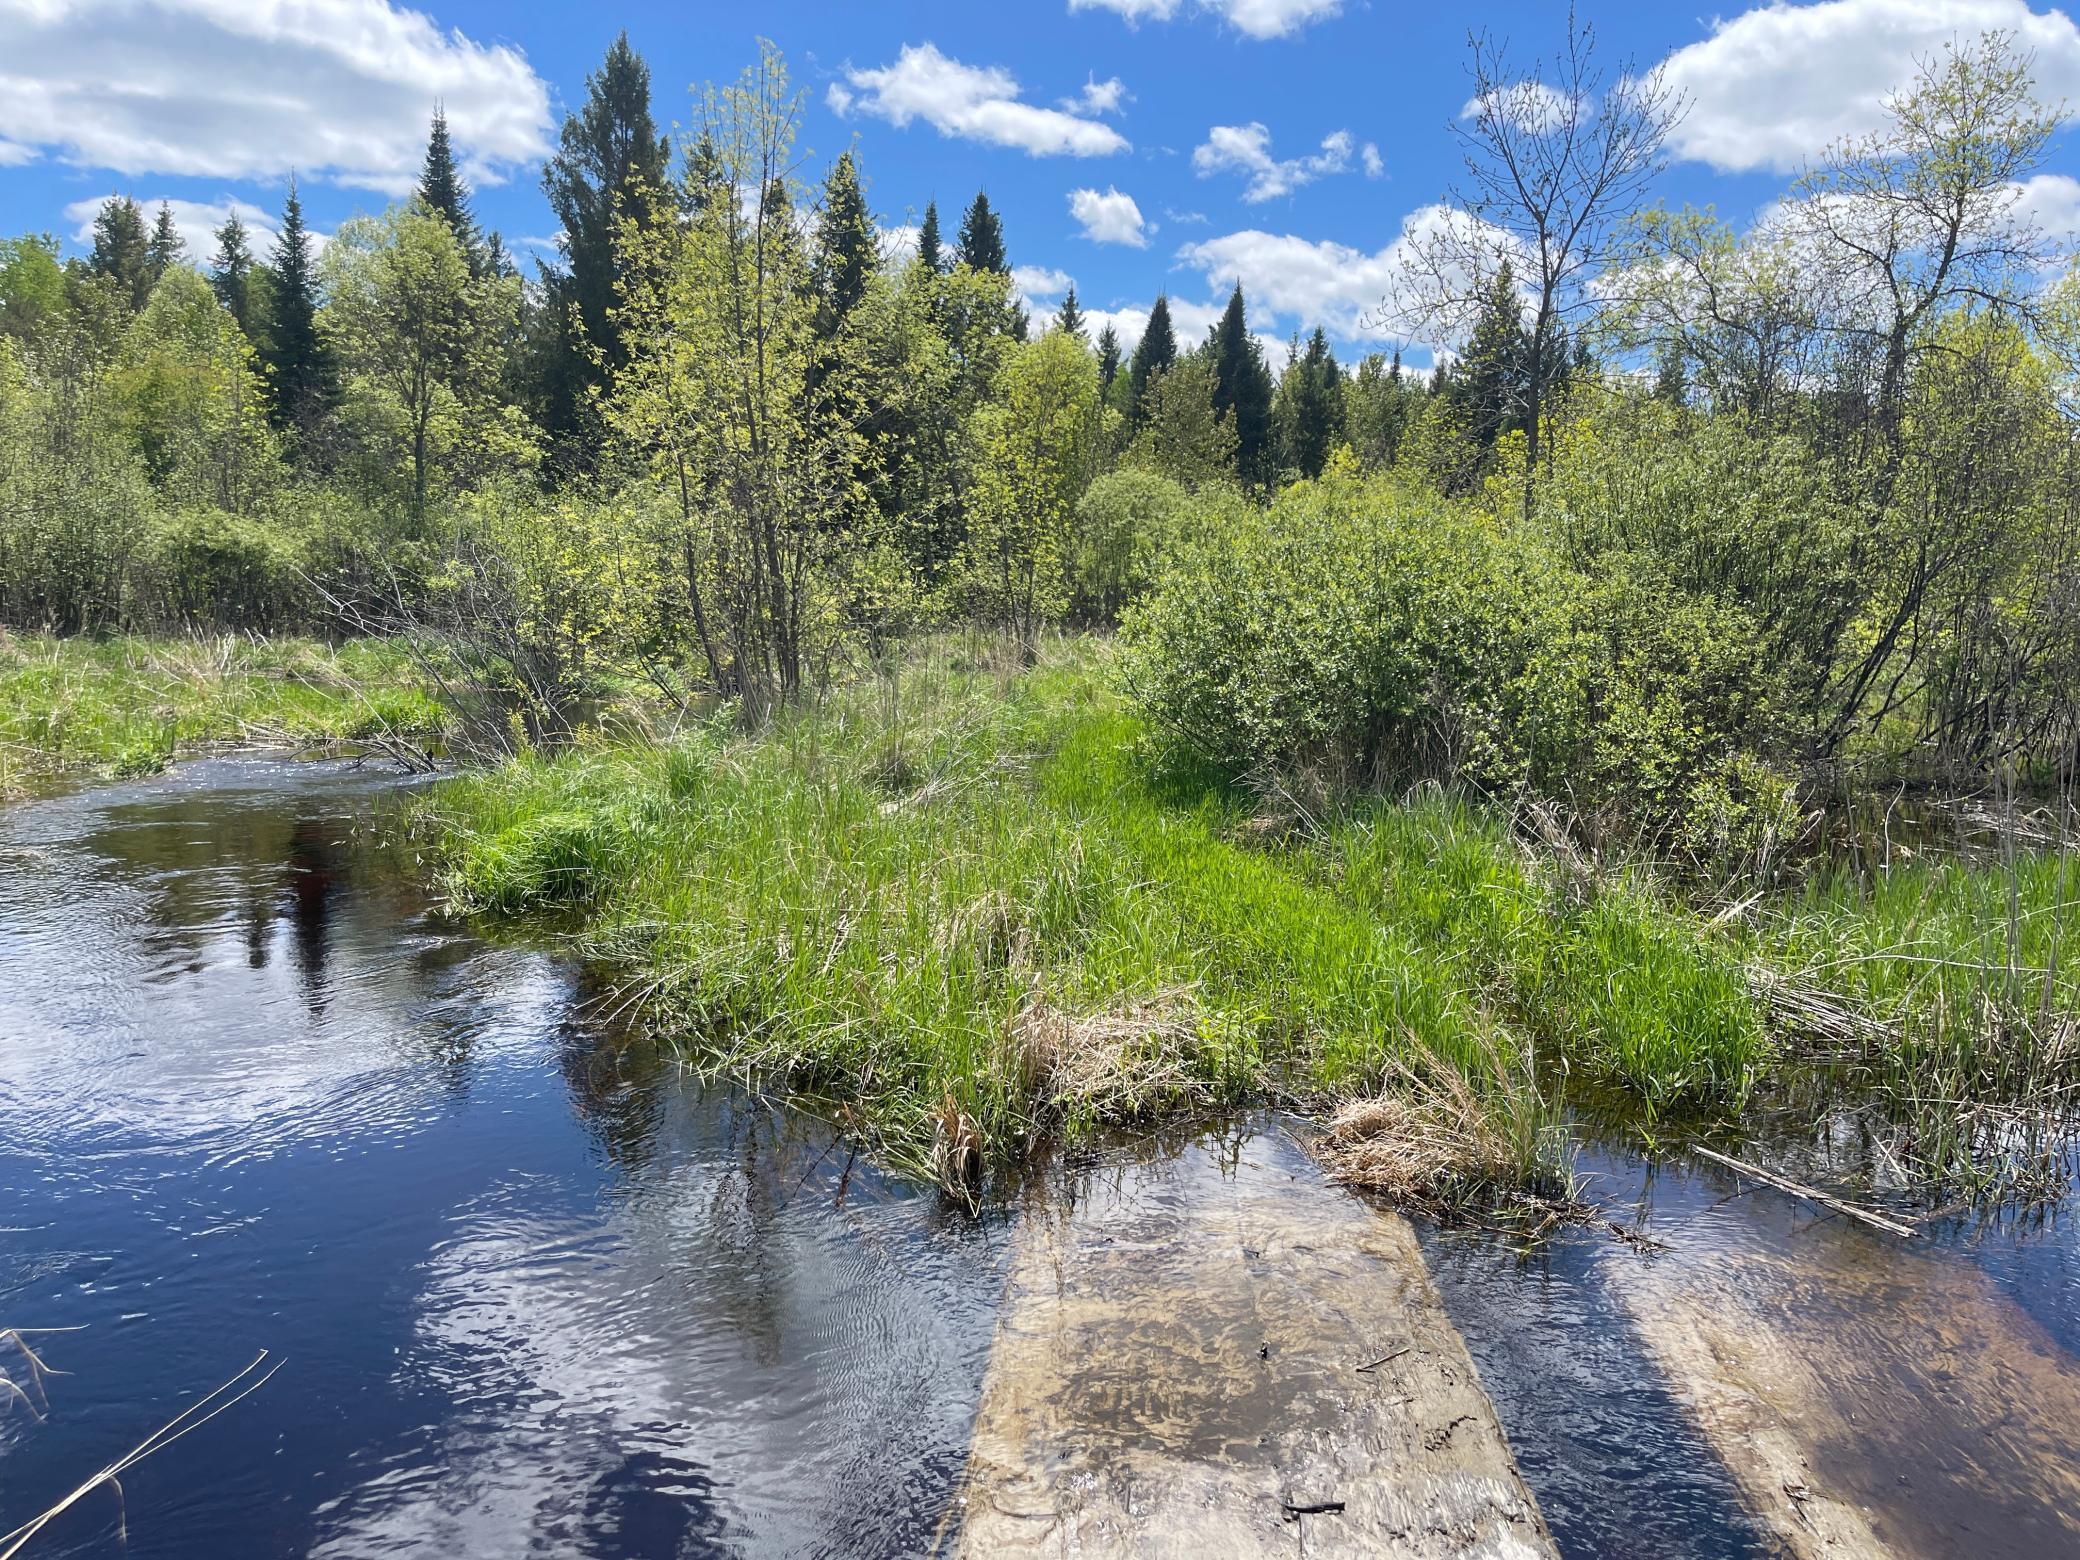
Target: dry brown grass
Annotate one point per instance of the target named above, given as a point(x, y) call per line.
point(1430, 1143)
point(1116, 1065)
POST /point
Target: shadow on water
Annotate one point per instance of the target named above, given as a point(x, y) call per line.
point(534, 1292)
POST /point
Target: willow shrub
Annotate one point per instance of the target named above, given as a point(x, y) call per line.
point(1374, 637)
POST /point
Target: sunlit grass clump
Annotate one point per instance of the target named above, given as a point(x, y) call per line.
point(975, 904)
point(126, 706)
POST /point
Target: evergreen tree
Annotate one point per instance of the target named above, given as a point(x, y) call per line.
point(1108, 356)
point(1242, 392)
point(981, 243)
point(928, 249)
point(121, 251)
point(166, 248)
point(847, 253)
point(1156, 352)
point(704, 176)
point(301, 367)
point(610, 165)
point(442, 189)
point(1069, 318)
point(1489, 382)
point(1309, 412)
point(233, 278)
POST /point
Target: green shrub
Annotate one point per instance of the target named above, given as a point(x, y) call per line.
point(208, 569)
point(1127, 525)
point(1377, 639)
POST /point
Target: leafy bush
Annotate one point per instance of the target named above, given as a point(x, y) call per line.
point(206, 568)
point(1376, 639)
point(1127, 525)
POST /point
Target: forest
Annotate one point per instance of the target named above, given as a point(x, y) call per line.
point(940, 712)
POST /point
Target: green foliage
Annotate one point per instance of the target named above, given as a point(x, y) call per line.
point(127, 706)
point(417, 337)
point(1374, 639)
point(1128, 524)
point(1037, 445)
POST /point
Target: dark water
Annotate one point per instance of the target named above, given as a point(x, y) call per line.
point(530, 1292)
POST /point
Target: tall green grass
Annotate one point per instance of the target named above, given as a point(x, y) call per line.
point(127, 705)
point(961, 889)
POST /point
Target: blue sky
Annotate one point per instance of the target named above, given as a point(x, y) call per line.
point(1133, 145)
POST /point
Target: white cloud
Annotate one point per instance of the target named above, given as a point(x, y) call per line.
point(976, 104)
point(1098, 97)
point(196, 220)
point(1775, 86)
point(1041, 281)
point(1109, 218)
point(2052, 202)
point(1531, 105)
point(1375, 165)
point(1254, 18)
point(13, 154)
point(899, 243)
point(241, 89)
point(1246, 149)
point(1354, 295)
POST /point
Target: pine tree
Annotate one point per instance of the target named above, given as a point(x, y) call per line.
point(442, 189)
point(704, 180)
point(300, 367)
point(121, 251)
point(1489, 382)
point(847, 253)
point(1108, 356)
point(1242, 391)
point(981, 243)
point(1069, 318)
point(166, 248)
point(610, 166)
point(928, 238)
point(1156, 353)
point(232, 277)
point(1309, 411)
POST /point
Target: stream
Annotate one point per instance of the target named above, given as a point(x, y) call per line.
point(532, 1289)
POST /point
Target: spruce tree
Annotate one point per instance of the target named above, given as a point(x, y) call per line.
point(610, 166)
point(847, 252)
point(1069, 318)
point(300, 367)
point(231, 277)
point(1490, 383)
point(981, 243)
point(1156, 353)
point(442, 189)
point(166, 248)
point(1310, 408)
point(1242, 391)
point(121, 251)
point(928, 238)
point(1108, 356)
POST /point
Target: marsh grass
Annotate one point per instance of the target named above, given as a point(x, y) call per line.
point(126, 706)
point(978, 905)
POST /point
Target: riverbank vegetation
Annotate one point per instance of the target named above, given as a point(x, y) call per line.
point(1016, 734)
point(128, 706)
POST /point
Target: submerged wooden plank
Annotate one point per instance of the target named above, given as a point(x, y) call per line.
point(1177, 1372)
point(1870, 1399)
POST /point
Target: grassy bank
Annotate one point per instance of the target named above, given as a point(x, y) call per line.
point(967, 904)
point(127, 706)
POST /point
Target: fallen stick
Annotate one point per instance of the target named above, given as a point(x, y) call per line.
point(1385, 1359)
point(1782, 1184)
